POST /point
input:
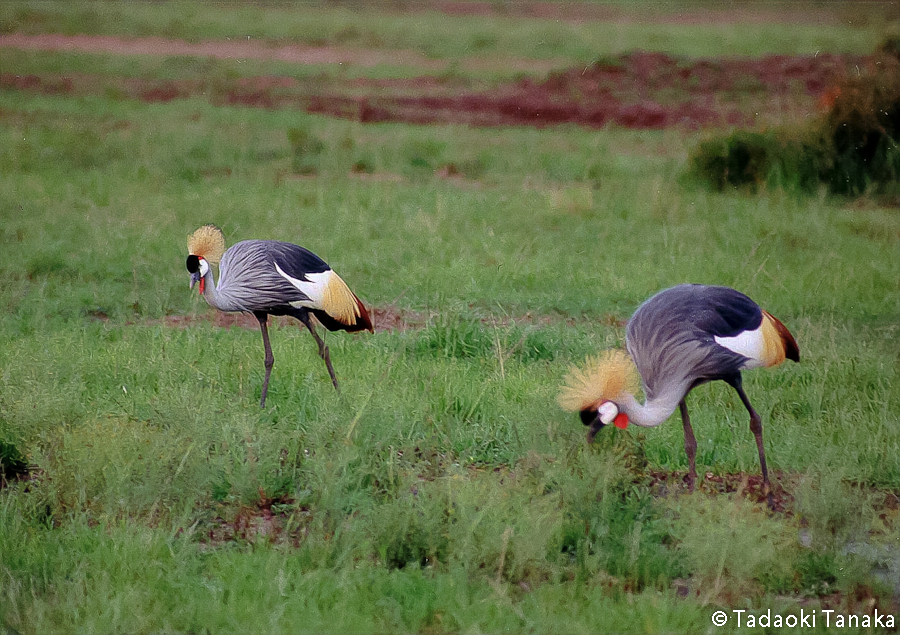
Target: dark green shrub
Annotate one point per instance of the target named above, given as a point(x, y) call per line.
point(890, 46)
point(863, 126)
point(780, 158)
point(853, 148)
point(737, 160)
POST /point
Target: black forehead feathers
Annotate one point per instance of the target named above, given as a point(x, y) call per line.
point(588, 416)
point(193, 264)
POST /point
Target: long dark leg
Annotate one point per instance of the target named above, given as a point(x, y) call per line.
point(270, 359)
point(756, 429)
point(303, 316)
point(690, 444)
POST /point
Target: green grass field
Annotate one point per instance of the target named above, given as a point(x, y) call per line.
point(443, 490)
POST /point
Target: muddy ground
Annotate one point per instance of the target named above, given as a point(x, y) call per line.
point(637, 90)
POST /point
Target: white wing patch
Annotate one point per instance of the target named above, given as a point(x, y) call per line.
point(750, 344)
point(314, 288)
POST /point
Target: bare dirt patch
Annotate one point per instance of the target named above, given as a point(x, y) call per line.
point(637, 90)
point(383, 319)
point(386, 318)
point(748, 485)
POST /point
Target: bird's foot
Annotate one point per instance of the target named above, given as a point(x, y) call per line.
point(690, 479)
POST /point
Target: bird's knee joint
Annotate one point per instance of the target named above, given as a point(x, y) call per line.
point(755, 424)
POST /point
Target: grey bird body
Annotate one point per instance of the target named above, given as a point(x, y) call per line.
point(671, 338)
point(270, 277)
point(249, 280)
point(679, 339)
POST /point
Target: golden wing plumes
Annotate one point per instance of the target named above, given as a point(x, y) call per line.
point(339, 301)
point(602, 378)
point(207, 242)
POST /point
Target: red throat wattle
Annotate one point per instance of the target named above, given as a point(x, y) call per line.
point(621, 421)
point(201, 285)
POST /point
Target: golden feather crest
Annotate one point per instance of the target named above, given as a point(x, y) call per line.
point(207, 242)
point(605, 377)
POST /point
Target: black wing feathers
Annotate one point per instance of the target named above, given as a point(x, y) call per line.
point(296, 261)
point(724, 312)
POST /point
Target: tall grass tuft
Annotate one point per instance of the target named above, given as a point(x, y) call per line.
point(731, 548)
point(306, 150)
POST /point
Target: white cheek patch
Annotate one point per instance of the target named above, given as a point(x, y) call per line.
point(204, 267)
point(748, 343)
point(608, 412)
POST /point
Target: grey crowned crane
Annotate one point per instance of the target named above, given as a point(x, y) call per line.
point(677, 340)
point(270, 277)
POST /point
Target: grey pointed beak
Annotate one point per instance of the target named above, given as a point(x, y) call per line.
point(591, 419)
point(595, 427)
point(195, 278)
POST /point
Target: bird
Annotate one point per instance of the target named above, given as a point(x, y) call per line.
point(678, 339)
point(271, 277)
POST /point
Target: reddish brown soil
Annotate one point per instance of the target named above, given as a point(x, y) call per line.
point(637, 90)
point(383, 319)
point(747, 485)
point(388, 318)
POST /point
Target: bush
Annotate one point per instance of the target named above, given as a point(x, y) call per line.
point(852, 148)
point(751, 159)
point(863, 126)
point(890, 46)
